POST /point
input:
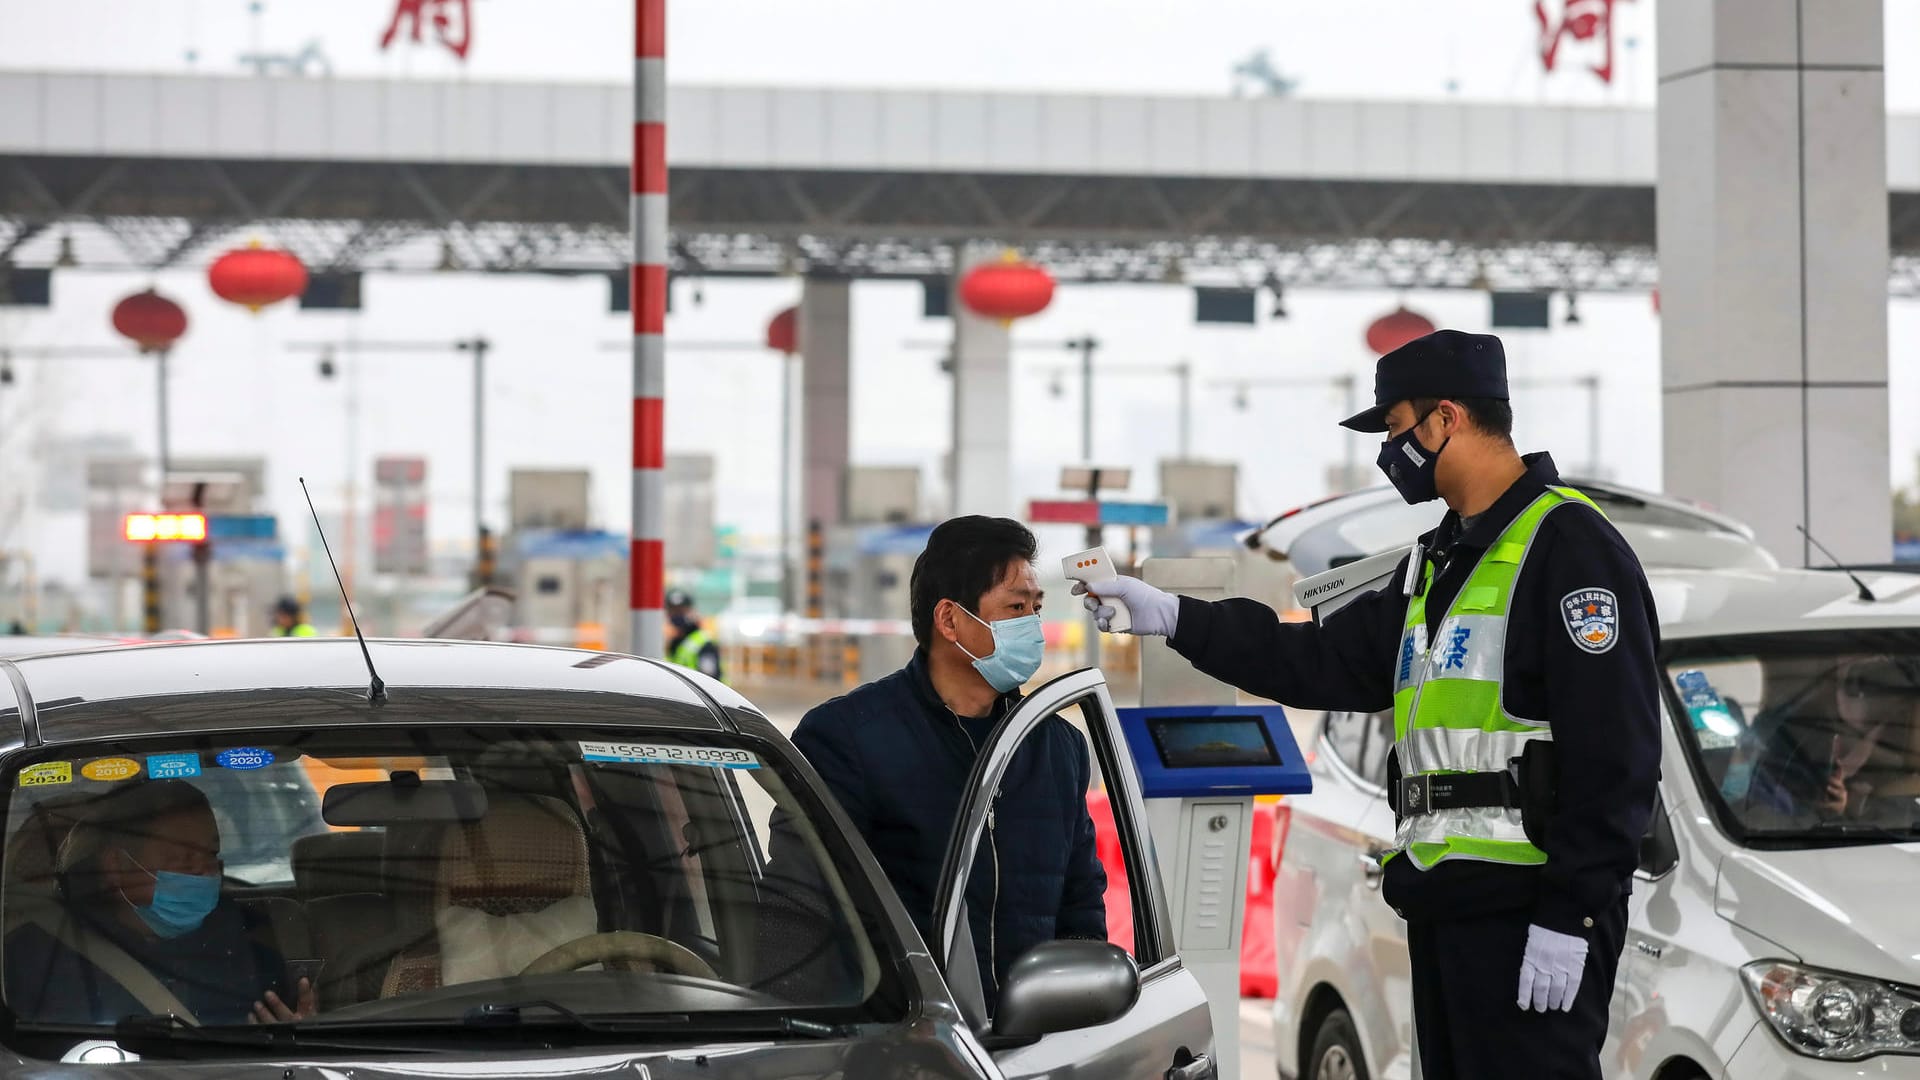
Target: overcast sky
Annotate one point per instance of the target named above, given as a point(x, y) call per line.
point(556, 398)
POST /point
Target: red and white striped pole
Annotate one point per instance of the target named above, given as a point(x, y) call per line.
point(648, 282)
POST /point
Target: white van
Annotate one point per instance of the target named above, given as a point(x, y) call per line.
point(1774, 925)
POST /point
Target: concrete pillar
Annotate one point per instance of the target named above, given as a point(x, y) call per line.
point(825, 399)
point(1772, 210)
point(982, 455)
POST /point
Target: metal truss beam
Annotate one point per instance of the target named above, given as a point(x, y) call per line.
point(1308, 233)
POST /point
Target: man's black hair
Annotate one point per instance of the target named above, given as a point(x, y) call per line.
point(965, 558)
point(1494, 416)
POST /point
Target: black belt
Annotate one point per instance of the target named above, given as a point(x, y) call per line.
point(1458, 791)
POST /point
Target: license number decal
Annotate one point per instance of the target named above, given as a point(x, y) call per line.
point(655, 753)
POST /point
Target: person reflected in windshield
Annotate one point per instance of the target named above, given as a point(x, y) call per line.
point(140, 884)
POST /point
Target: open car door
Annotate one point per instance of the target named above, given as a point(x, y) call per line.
point(1158, 1026)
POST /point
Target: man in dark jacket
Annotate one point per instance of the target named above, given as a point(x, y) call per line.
point(896, 753)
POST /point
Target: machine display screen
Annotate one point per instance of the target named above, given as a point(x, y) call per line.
point(1207, 742)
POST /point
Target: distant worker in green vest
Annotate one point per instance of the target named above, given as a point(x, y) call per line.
point(691, 647)
point(1516, 649)
point(290, 621)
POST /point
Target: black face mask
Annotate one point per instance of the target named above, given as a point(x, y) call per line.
point(1411, 467)
point(683, 623)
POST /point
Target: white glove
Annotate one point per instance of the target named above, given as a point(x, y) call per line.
point(1550, 971)
point(1154, 612)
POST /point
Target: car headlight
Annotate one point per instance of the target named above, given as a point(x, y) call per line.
point(1838, 1017)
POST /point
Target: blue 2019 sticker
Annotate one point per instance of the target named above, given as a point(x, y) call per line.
point(244, 757)
point(172, 766)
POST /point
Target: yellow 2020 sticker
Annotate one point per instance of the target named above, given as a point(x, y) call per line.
point(109, 769)
point(47, 772)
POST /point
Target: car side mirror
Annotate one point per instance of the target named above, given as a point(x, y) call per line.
point(1658, 849)
point(1063, 986)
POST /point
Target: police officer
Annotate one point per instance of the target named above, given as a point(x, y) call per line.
point(289, 620)
point(691, 647)
point(1518, 634)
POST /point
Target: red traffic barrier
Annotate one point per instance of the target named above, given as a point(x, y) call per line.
point(1259, 968)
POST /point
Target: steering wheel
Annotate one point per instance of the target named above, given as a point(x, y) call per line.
point(628, 945)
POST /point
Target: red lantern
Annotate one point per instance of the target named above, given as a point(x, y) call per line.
point(254, 276)
point(1007, 290)
point(151, 320)
point(783, 333)
point(1396, 328)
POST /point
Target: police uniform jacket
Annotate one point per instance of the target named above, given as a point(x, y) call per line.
point(1603, 706)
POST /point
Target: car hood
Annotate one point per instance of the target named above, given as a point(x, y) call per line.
point(1847, 909)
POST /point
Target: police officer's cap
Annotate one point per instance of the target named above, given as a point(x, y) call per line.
point(677, 598)
point(1444, 364)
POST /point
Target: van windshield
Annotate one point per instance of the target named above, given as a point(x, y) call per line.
point(1805, 738)
point(410, 876)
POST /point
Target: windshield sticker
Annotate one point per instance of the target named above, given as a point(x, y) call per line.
point(45, 773)
point(1703, 703)
point(173, 766)
point(244, 757)
point(652, 753)
point(110, 769)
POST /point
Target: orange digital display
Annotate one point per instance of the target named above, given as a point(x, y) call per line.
point(149, 528)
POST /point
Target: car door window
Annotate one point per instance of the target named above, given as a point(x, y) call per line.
point(1376, 746)
point(1129, 902)
point(1658, 853)
point(1362, 741)
point(1025, 828)
point(1025, 803)
point(1345, 732)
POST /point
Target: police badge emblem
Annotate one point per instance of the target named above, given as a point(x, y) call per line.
point(1592, 618)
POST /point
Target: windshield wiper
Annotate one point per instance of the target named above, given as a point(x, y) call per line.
point(165, 1035)
point(709, 1025)
point(1842, 831)
point(1861, 828)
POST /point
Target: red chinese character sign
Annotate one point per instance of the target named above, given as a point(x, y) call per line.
point(452, 23)
point(1588, 21)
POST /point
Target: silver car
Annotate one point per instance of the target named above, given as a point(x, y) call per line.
point(1771, 929)
point(528, 861)
point(1664, 531)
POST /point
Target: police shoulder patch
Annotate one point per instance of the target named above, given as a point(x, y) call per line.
point(1592, 618)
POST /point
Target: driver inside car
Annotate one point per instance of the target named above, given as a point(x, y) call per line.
point(142, 925)
point(1828, 766)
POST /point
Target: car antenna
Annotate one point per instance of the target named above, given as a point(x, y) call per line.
point(376, 693)
point(1865, 593)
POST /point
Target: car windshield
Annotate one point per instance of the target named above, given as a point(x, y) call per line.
point(1805, 738)
point(423, 876)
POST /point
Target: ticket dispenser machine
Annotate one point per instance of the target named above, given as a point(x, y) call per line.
point(1201, 760)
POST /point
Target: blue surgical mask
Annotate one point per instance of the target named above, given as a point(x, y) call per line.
point(181, 902)
point(1017, 647)
point(1410, 467)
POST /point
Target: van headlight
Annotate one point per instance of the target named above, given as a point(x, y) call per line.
point(1838, 1017)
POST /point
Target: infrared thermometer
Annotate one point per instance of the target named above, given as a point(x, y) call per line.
point(1095, 565)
